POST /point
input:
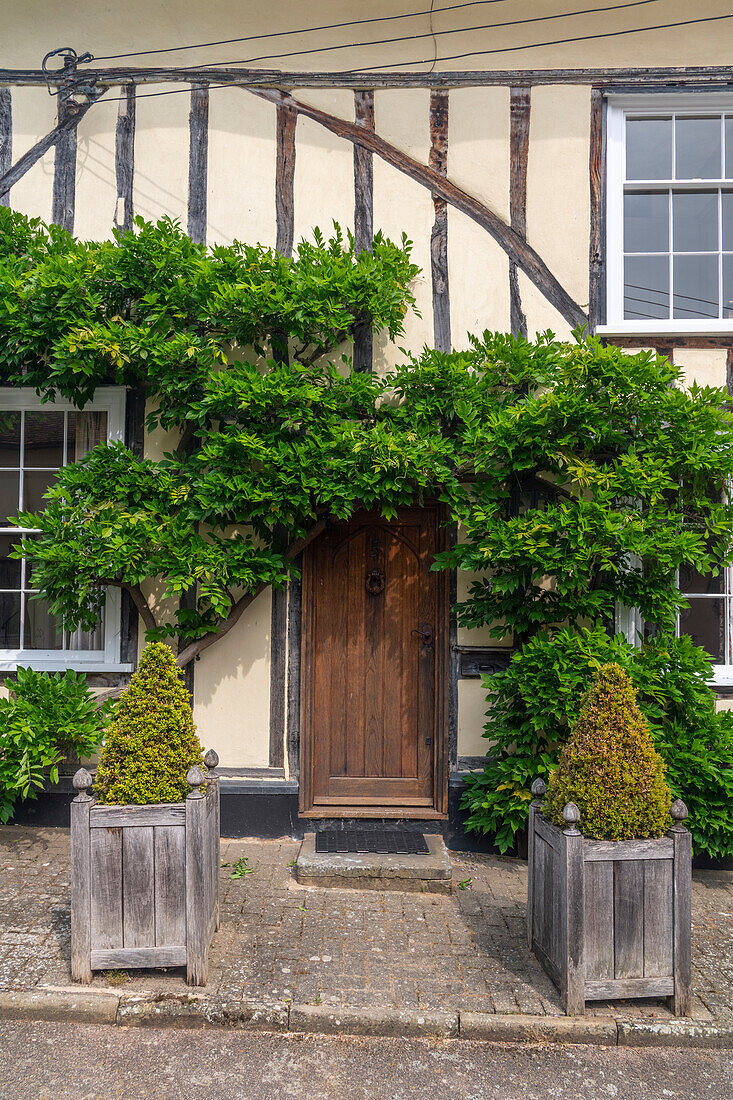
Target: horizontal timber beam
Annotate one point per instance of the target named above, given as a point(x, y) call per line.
point(611, 77)
point(518, 250)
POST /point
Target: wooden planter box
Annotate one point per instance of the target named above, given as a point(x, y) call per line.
point(145, 880)
point(610, 919)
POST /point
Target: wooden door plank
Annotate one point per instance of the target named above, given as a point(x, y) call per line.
point(395, 657)
point(425, 592)
point(658, 923)
point(628, 887)
point(374, 543)
point(356, 660)
point(170, 885)
point(106, 900)
point(599, 956)
point(138, 893)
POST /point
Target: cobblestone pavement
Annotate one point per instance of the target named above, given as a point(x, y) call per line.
point(280, 941)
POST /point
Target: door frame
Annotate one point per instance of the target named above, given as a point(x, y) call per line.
point(439, 809)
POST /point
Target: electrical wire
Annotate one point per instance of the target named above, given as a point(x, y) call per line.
point(554, 42)
point(302, 30)
point(428, 34)
point(455, 57)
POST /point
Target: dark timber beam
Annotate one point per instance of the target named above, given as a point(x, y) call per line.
point(519, 110)
point(198, 162)
point(125, 160)
point(363, 215)
point(518, 250)
point(23, 164)
point(6, 138)
point(285, 179)
point(438, 161)
point(64, 171)
point(719, 75)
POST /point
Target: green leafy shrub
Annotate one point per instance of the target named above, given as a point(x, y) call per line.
point(46, 718)
point(609, 766)
point(535, 702)
point(152, 742)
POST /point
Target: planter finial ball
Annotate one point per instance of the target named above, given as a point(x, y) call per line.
point(211, 759)
point(539, 788)
point(571, 817)
point(678, 810)
point(82, 780)
point(195, 777)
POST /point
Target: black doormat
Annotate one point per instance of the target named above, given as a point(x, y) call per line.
point(388, 842)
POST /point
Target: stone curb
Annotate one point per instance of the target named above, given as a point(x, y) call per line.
point(196, 1011)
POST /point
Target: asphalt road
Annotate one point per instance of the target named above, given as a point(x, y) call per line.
point(44, 1061)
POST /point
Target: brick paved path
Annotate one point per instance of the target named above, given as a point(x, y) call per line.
point(280, 941)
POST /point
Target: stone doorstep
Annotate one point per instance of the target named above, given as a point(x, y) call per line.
point(426, 874)
point(64, 1005)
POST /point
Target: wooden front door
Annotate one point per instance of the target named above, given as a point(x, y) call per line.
point(373, 648)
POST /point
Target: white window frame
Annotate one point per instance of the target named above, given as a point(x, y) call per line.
point(109, 399)
point(619, 108)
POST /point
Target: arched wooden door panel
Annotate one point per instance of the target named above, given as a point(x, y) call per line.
point(374, 636)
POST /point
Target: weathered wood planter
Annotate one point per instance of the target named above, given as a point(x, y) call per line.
point(145, 880)
point(610, 919)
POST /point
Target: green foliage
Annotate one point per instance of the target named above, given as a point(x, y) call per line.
point(45, 719)
point(151, 744)
point(609, 766)
point(535, 702)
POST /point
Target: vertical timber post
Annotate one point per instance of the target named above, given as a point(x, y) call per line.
point(196, 916)
point(539, 789)
point(211, 760)
point(81, 880)
point(595, 167)
point(125, 159)
point(363, 217)
point(438, 161)
point(64, 170)
point(572, 962)
point(198, 162)
point(6, 138)
point(519, 110)
point(682, 906)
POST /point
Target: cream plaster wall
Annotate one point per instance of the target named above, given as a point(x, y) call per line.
point(472, 709)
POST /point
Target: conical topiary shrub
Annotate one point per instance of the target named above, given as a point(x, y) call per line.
point(152, 742)
point(610, 768)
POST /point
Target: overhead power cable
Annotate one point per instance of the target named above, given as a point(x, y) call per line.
point(301, 30)
point(366, 69)
point(538, 45)
point(429, 34)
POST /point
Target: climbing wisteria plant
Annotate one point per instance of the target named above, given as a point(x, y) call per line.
point(581, 477)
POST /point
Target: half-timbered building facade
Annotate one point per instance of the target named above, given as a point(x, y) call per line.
point(554, 167)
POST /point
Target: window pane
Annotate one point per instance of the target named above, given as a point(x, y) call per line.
point(692, 581)
point(44, 439)
point(705, 624)
point(86, 430)
point(646, 287)
point(9, 620)
point(42, 629)
point(9, 438)
point(9, 569)
point(9, 496)
point(728, 287)
point(695, 221)
point(646, 221)
point(35, 483)
point(727, 201)
point(695, 286)
point(649, 148)
point(87, 640)
point(697, 148)
point(729, 148)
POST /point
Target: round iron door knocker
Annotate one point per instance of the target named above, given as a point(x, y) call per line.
point(375, 582)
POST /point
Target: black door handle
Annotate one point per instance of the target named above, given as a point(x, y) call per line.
point(425, 632)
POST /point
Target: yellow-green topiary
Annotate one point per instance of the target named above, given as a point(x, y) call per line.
point(152, 742)
point(610, 768)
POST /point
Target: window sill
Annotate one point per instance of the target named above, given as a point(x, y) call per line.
point(63, 666)
point(644, 329)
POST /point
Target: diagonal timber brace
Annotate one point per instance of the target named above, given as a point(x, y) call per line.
point(24, 163)
point(516, 248)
